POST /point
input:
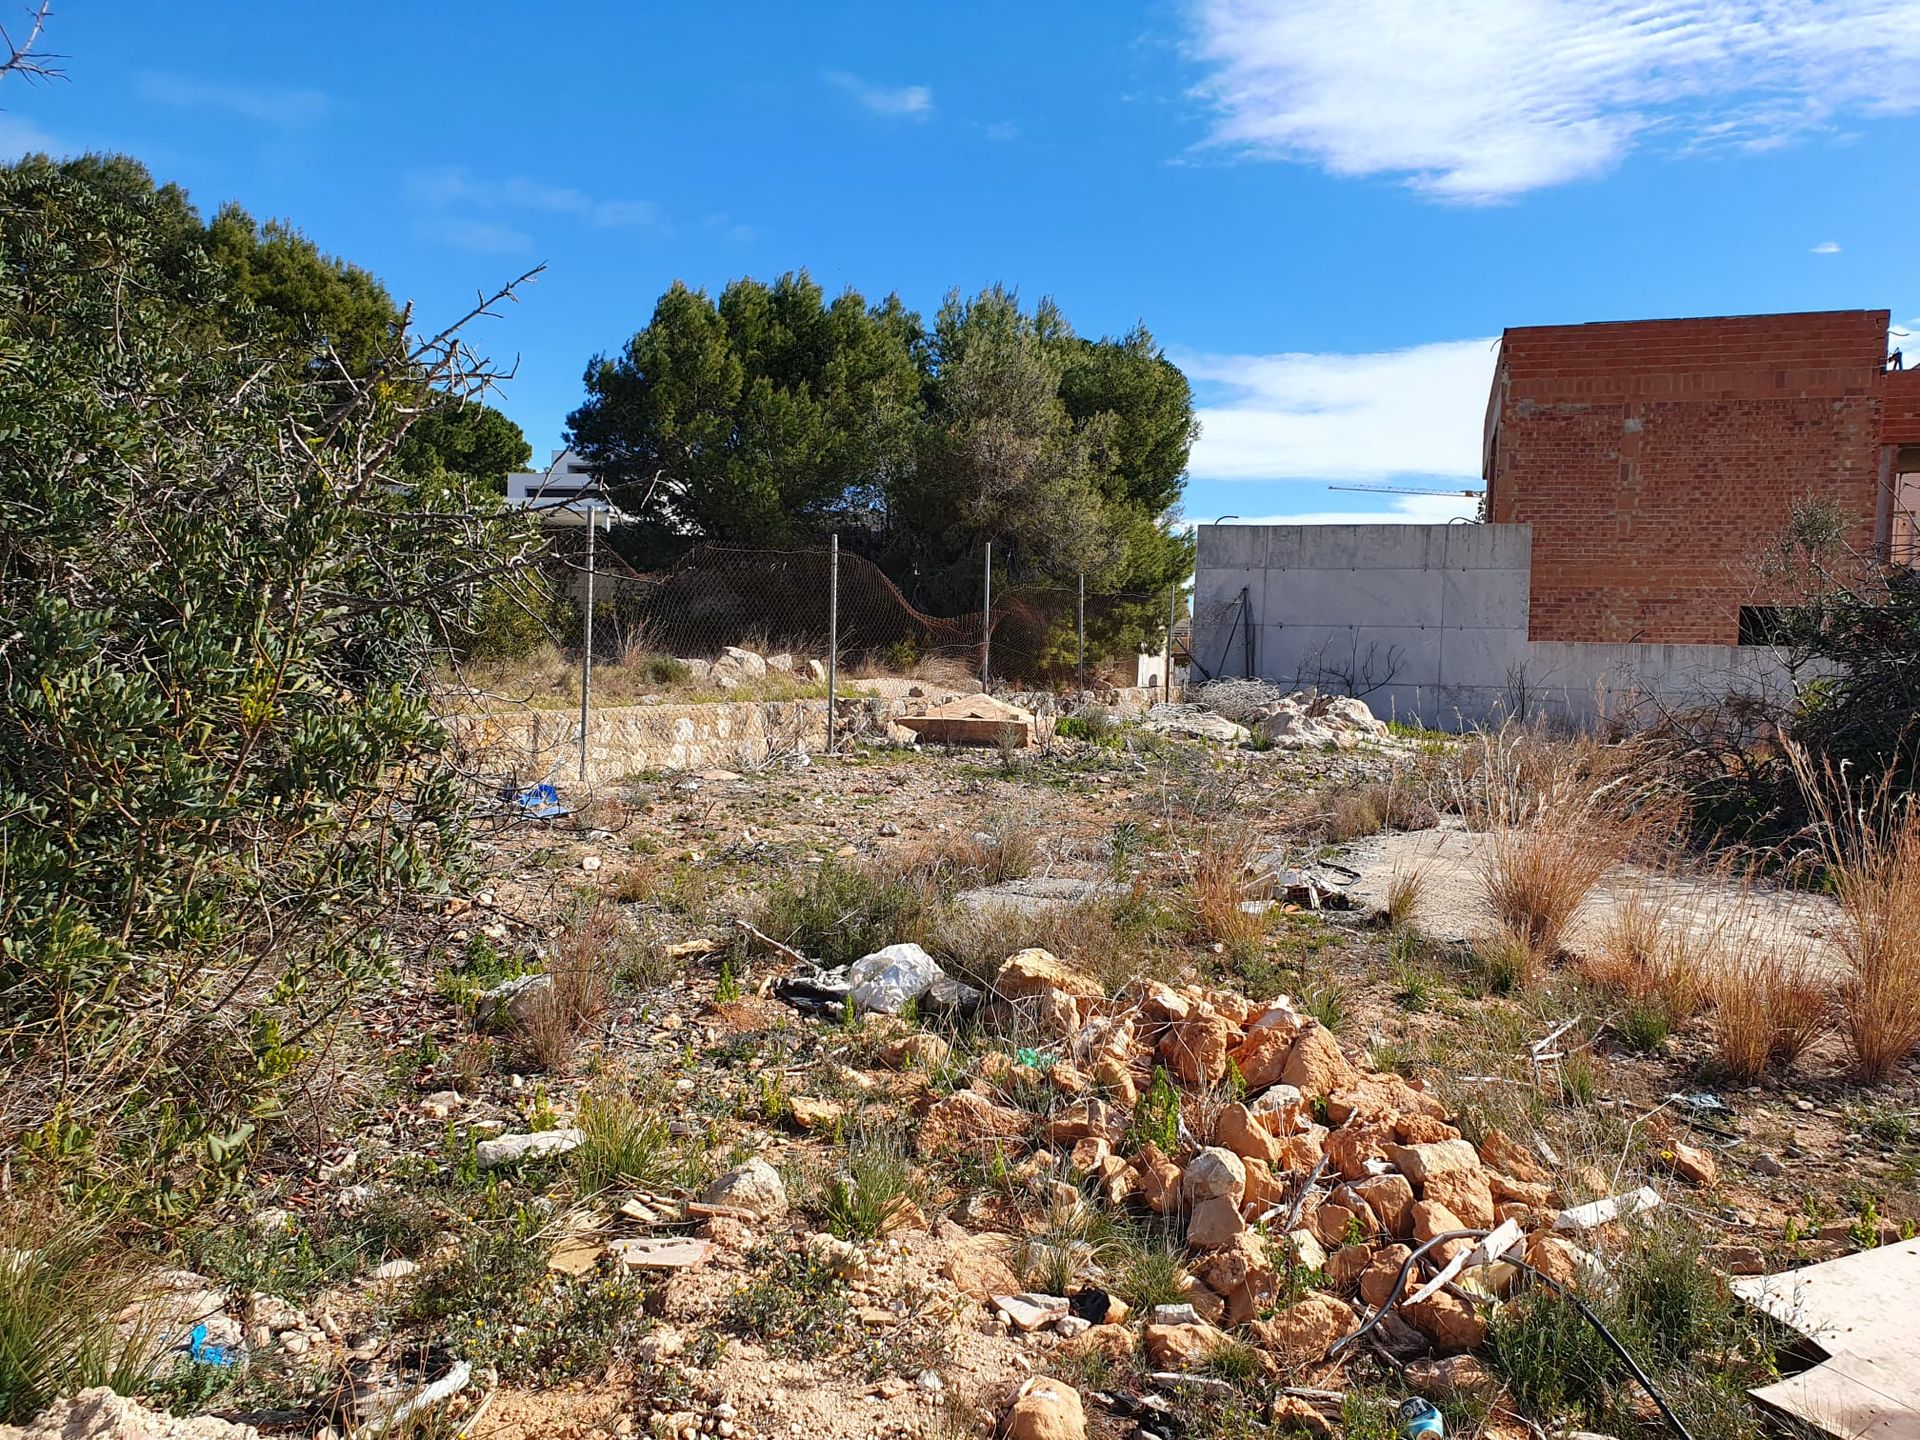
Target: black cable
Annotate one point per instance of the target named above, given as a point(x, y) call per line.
point(1565, 1292)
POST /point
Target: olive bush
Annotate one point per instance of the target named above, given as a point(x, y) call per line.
point(218, 599)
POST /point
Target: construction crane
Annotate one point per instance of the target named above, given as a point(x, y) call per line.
point(1403, 490)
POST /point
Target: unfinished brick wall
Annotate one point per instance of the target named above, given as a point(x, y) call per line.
point(1657, 460)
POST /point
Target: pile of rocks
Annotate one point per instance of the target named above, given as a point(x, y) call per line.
point(1293, 720)
point(1320, 1166)
point(734, 667)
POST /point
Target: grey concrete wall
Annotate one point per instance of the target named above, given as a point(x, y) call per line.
point(1429, 623)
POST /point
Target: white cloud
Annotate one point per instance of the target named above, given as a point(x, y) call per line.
point(1001, 130)
point(484, 237)
point(913, 102)
point(452, 189)
point(262, 104)
point(1366, 417)
point(20, 136)
point(1485, 99)
point(1401, 510)
point(1827, 247)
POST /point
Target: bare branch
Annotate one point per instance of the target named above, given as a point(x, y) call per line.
point(25, 58)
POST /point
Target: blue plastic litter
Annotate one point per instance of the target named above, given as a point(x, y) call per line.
point(204, 1352)
point(1419, 1419)
point(541, 801)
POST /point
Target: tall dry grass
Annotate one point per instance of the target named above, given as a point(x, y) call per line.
point(586, 961)
point(1217, 871)
point(1651, 954)
point(1869, 832)
point(1558, 814)
point(1769, 1007)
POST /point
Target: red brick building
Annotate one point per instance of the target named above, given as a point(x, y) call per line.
point(1656, 460)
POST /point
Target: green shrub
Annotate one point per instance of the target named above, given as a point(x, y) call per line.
point(839, 912)
point(876, 1185)
point(218, 770)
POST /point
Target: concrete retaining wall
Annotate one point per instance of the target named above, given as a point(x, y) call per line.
point(1429, 624)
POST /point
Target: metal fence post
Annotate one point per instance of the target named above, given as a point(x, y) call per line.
point(986, 626)
point(1173, 606)
point(1080, 628)
point(833, 636)
point(1246, 625)
point(586, 652)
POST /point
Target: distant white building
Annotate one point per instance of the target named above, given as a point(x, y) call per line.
point(563, 493)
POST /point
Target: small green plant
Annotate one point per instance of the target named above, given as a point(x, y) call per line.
point(1505, 960)
point(1326, 1001)
point(789, 1303)
point(875, 1188)
point(1122, 845)
point(1404, 890)
point(727, 991)
point(1157, 1116)
point(623, 1142)
point(1644, 1027)
point(1150, 1274)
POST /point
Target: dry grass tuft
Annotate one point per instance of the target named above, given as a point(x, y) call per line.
point(1651, 955)
point(1870, 832)
point(62, 1285)
point(1402, 900)
point(1558, 815)
point(586, 959)
point(1217, 871)
point(1768, 1008)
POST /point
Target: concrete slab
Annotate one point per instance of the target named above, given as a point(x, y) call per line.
point(1353, 597)
point(1484, 600)
point(1034, 895)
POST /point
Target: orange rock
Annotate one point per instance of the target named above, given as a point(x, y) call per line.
point(1422, 1129)
point(1301, 1333)
point(1380, 1097)
point(1086, 1118)
point(1240, 1274)
point(1391, 1198)
point(1194, 1050)
point(1376, 1281)
point(1157, 1179)
point(1316, 1065)
point(968, 1118)
point(1351, 1146)
point(1419, 1162)
point(978, 1268)
point(1464, 1192)
point(1239, 1132)
point(1449, 1322)
point(1090, 1155)
point(1525, 1192)
point(1693, 1164)
point(1431, 1218)
point(1293, 1416)
point(1346, 1265)
point(1262, 1057)
point(1555, 1258)
point(1300, 1153)
point(1181, 1347)
point(1264, 1189)
point(1334, 1224)
point(1508, 1155)
point(1214, 1223)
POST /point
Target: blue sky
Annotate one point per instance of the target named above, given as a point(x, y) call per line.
point(1325, 209)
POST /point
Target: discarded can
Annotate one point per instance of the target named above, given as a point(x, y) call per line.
point(1418, 1418)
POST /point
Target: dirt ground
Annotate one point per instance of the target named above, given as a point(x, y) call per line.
point(1450, 857)
point(1808, 1165)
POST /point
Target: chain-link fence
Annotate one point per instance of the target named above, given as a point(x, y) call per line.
point(800, 602)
